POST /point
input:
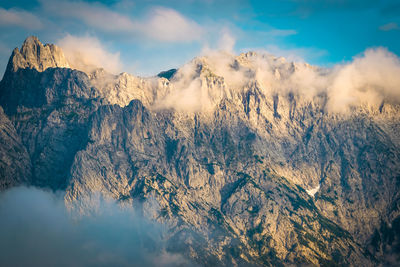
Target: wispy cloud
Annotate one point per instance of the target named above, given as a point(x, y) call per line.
point(19, 18)
point(4, 49)
point(87, 53)
point(166, 24)
point(281, 32)
point(94, 15)
point(227, 41)
point(161, 24)
point(389, 27)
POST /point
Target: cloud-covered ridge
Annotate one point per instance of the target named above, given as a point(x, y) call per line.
point(371, 79)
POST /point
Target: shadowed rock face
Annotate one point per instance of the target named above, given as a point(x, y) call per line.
point(15, 164)
point(229, 180)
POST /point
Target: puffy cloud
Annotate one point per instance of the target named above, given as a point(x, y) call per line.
point(389, 27)
point(165, 24)
point(226, 42)
point(36, 229)
point(370, 79)
point(19, 18)
point(87, 53)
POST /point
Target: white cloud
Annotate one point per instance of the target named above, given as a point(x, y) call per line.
point(87, 53)
point(226, 42)
point(165, 24)
point(389, 27)
point(19, 18)
point(370, 79)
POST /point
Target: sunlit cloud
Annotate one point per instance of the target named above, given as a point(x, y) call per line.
point(165, 24)
point(371, 78)
point(87, 53)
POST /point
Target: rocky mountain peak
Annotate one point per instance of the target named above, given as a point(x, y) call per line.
point(35, 55)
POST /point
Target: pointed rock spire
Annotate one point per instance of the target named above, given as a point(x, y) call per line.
point(35, 55)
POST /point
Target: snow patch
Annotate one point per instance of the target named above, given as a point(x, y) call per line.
point(314, 190)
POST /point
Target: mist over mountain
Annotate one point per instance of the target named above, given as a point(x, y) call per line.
point(235, 160)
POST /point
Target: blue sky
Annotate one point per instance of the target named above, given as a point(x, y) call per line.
point(146, 37)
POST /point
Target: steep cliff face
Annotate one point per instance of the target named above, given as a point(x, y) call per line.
point(223, 152)
point(222, 208)
point(15, 164)
point(49, 108)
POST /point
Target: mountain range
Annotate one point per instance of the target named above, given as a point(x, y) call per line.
point(249, 160)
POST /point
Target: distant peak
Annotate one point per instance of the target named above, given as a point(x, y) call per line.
point(35, 55)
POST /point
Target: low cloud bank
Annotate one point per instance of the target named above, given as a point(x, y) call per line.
point(37, 230)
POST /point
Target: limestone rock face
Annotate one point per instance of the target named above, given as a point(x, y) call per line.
point(49, 110)
point(35, 55)
point(223, 154)
point(15, 164)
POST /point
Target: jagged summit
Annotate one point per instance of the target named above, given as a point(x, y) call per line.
point(34, 55)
